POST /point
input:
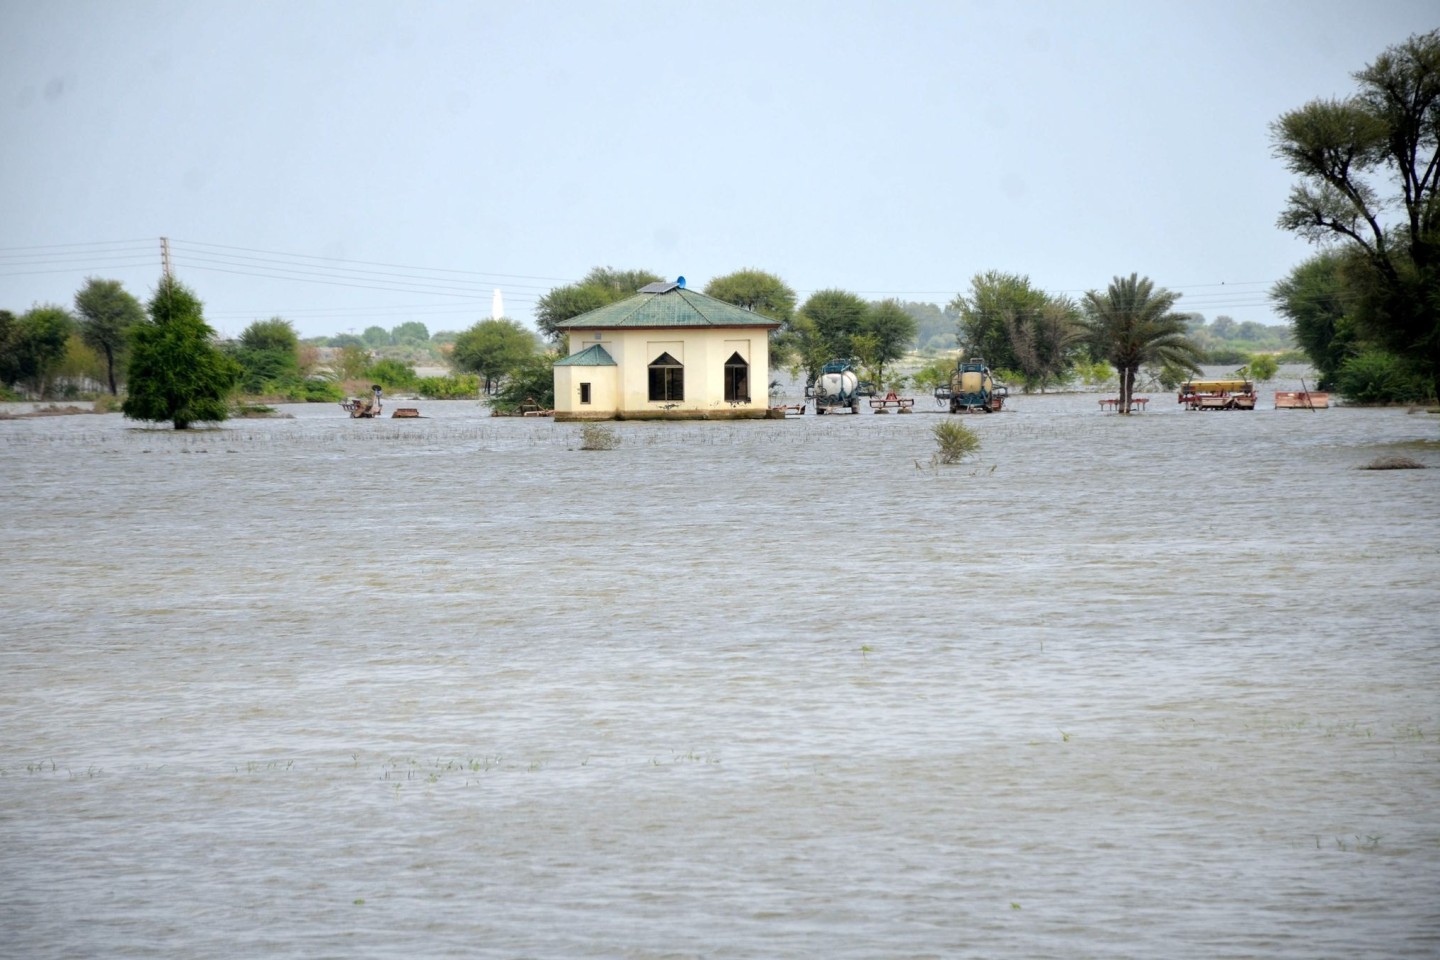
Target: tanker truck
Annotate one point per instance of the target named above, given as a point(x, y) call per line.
point(972, 389)
point(836, 387)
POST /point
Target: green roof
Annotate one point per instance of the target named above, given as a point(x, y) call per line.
point(592, 356)
point(673, 307)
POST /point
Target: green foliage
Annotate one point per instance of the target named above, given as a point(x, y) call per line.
point(1016, 327)
point(837, 316)
point(1358, 160)
point(1261, 368)
point(530, 382)
point(1095, 373)
point(755, 290)
point(1131, 324)
point(411, 331)
point(890, 333)
point(392, 374)
point(1378, 377)
point(463, 387)
point(492, 349)
point(175, 372)
point(934, 328)
point(350, 362)
point(375, 337)
point(934, 374)
point(32, 346)
point(268, 352)
point(106, 313)
point(1315, 299)
point(601, 286)
point(955, 441)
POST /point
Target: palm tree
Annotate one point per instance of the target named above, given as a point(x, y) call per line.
point(1131, 324)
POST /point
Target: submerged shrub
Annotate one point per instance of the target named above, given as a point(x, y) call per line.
point(595, 436)
point(955, 441)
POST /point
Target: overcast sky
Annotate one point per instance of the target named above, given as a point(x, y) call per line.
point(355, 163)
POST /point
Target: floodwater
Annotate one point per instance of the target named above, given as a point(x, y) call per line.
point(1157, 686)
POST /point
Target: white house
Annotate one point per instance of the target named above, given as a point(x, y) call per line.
point(665, 353)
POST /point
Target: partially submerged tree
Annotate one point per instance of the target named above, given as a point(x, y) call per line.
point(268, 352)
point(1357, 159)
point(107, 311)
point(492, 349)
point(1017, 328)
point(32, 346)
point(176, 372)
point(1131, 324)
point(890, 332)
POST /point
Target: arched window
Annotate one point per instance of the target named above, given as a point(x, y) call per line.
point(737, 379)
point(667, 379)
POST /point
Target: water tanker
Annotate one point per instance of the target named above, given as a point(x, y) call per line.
point(972, 389)
point(836, 387)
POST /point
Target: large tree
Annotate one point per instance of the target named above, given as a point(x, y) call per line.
point(998, 303)
point(176, 372)
point(1131, 324)
point(1315, 300)
point(601, 286)
point(268, 351)
point(834, 317)
point(107, 311)
point(1360, 158)
point(493, 349)
point(35, 345)
point(890, 332)
point(756, 291)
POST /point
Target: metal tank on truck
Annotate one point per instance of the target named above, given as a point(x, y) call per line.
point(972, 389)
point(836, 387)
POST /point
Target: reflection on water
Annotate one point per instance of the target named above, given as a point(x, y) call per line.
point(1149, 686)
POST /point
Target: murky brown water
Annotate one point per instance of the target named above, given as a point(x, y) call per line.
point(1126, 687)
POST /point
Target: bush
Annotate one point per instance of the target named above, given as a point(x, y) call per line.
point(1378, 377)
point(392, 374)
point(595, 436)
point(955, 440)
point(465, 386)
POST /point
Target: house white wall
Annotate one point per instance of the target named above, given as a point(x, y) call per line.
point(701, 350)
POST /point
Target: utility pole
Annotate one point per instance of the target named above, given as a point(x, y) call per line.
point(165, 256)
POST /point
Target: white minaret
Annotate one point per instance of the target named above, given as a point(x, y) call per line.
point(497, 306)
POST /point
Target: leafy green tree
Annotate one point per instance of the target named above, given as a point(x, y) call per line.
point(175, 371)
point(997, 304)
point(601, 286)
point(342, 340)
point(1132, 323)
point(892, 330)
point(756, 291)
point(935, 329)
point(268, 352)
point(492, 349)
point(1043, 344)
point(1359, 158)
point(412, 331)
point(837, 316)
point(107, 311)
point(375, 337)
point(1315, 299)
point(35, 346)
point(9, 362)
